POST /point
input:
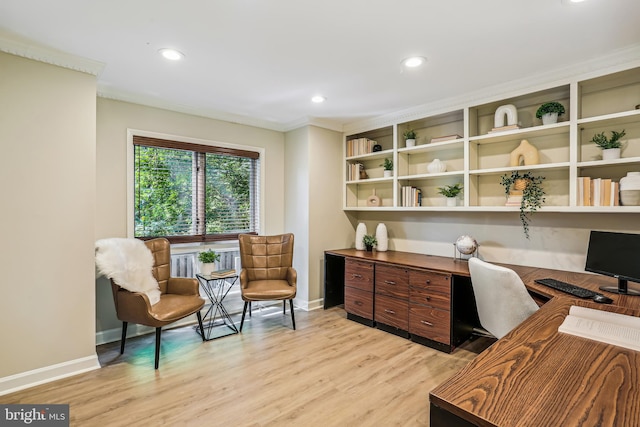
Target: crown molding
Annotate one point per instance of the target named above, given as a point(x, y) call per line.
point(616, 61)
point(314, 121)
point(149, 101)
point(48, 55)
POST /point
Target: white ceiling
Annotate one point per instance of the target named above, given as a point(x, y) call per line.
point(260, 61)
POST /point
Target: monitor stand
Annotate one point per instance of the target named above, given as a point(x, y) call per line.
point(622, 288)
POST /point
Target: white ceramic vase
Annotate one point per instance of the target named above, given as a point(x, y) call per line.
point(207, 268)
point(410, 142)
point(387, 173)
point(610, 154)
point(361, 231)
point(630, 189)
point(437, 166)
point(549, 118)
point(382, 238)
point(452, 201)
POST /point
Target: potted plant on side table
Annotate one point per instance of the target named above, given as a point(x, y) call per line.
point(208, 261)
point(549, 112)
point(451, 192)
point(610, 146)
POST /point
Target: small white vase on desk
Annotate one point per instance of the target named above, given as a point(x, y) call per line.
point(382, 238)
point(361, 231)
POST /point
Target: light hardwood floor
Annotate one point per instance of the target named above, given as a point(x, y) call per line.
point(329, 372)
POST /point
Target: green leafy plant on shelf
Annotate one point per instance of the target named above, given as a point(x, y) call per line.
point(532, 194)
point(605, 143)
point(388, 164)
point(550, 107)
point(450, 190)
point(409, 134)
point(369, 241)
point(208, 256)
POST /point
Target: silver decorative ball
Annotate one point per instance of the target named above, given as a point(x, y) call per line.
point(466, 245)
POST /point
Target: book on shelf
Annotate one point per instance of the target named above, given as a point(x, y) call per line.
point(445, 138)
point(410, 196)
point(514, 198)
point(604, 326)
point(219, 274)
point(360, 146)
point(597, 192)
point(504, 128)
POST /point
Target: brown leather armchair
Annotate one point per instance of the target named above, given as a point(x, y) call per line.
point(179, 298)
point(267, 272)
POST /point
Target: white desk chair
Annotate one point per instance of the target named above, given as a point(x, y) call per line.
point(501, 298)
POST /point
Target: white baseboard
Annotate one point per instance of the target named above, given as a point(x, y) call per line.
point(309, 305)
point(47, 374)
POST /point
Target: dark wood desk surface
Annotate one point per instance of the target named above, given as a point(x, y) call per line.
point(536, 376)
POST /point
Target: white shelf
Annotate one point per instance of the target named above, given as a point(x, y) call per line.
point(598, 104)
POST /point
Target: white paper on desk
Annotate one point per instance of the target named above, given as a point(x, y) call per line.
point(603, 329)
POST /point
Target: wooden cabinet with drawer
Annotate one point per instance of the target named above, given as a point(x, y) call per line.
point(358, 290)
point(430, 307)
point(392, 299)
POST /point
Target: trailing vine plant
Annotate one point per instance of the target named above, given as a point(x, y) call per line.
point(532, 194)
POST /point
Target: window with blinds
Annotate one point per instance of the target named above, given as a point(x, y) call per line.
point(194, 193)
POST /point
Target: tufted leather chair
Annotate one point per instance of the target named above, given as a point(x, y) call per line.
point(180, 297)
point(267, 272)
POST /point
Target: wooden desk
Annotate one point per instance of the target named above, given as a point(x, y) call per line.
point(536, 376)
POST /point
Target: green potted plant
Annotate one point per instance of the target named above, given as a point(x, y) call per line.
point(549, 112)
point(208, 261)
point(369, 241)
point(610, 146)
point(451, 192)
point(387, 165)
point(409, 137)
point(529, 188)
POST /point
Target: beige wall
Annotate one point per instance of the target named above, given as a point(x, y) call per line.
point(558, 240)
point(47, 171)
point(113, 120)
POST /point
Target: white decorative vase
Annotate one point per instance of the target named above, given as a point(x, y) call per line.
point(437, 166)
point(388, 174)
point(610, 154)
point(382, 238)
point(410, 142)
point(361, 231)
point(452, 201)
point(630, 189)
point(549, 118)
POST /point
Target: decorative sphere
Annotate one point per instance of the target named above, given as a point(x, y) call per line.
point(466, 245)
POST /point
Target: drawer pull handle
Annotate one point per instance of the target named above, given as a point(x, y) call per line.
point(389, 311)
point(358, 302)
point(424, 322)
point(427, 298)
point(389, 282)
point(359, 276)
point(427, 281)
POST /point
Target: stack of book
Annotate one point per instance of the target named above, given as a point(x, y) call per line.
point(354, 171)
point(411, 196)
point(219, 274)
point(504, 128)
point(514, 198)
point(445, 138)
point(598, 192)
point(360, 146)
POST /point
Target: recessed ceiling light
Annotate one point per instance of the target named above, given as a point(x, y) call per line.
point(318, 99)
point(171, 54)
point(570, 2)
point(414, 61)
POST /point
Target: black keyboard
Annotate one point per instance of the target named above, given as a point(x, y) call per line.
point(567, 287)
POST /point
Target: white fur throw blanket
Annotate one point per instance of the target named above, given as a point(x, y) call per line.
point(128, 262)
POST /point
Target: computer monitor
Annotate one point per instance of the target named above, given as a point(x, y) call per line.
point(616, 255)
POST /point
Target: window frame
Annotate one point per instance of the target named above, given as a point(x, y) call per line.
point(138, 137)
